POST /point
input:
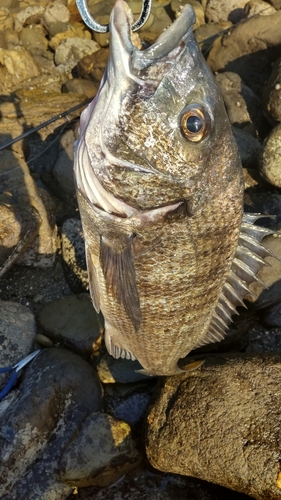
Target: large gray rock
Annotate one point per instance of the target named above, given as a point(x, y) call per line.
point(59, 390)
point(221, 423)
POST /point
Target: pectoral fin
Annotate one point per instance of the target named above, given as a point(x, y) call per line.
point(119, 272)
point(93, 280)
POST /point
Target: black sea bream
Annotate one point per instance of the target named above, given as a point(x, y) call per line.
point(160, 191)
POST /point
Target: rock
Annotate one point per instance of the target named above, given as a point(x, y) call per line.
point(63, 168)
point(260, 339)
point(255, 7)
point(270, 158)
point(16, 66)
point(19, 225)
point(102, 452)
point(58, 392)
point(248, 50)
point(32, 11)
point(17, 332)
point(177, 6)
point(34, 41)
point(70, 51)
point(16, 179)
point(6, 20)
point(92, 66)
point(272, 317)
point(132, 408)
point(271, 99)
point(72, 31)
point(83, 87)
point(142, 484)
point(113, 370)
point(219, 424)
point(160, 20)
point(249, 147)
point(73, 322)
point(242, 104)
point(73, 252)
point(276, 4)
point(55, 12)
point(266, 203)
point(232, 10)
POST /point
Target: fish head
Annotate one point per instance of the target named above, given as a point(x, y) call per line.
point(157, 132)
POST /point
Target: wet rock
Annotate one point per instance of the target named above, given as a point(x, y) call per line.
point(59, 390)
point(73, 252)
point(271, 100)
point(74, 322)
point(231, 403)
point(16, 179)
point(70, 51)
point(249, 147)
point(83, 87)
point(112, 370)
point(270, 158)
point(242, 104)
point(248, 50)
point(16, 66)
point(102, 452)
point(132, 408)
point(92, 66)
point(142, 484)
point(17, 332)
point(232, 10)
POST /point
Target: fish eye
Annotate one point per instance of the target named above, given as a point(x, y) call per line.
point(195, 122)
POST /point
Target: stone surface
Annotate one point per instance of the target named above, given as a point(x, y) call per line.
point(73, 322)
point(17, 332)
point(16, 179)
point(71, 50)
point(232, 10)
point(73, 252)
point(102, 452)
point(270, 157)
point(249, 147)
point(93, 66)
point(248, 50)
point(83, 87)
point(16, 66)
point(271, 99)
point(255, 7)
point(242, 104)
point(55, 12)
point(232, 404)
point(59, 390)
point(112, 370)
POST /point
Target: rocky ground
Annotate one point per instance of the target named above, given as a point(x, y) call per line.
point(79, 424)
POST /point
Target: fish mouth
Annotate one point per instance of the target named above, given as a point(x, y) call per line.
point(122, 38)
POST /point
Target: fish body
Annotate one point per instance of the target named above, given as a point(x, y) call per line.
point(160, 191)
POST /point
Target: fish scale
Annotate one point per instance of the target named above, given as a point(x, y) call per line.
point(169, 256)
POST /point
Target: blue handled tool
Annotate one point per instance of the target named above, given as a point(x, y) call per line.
point(15, 369)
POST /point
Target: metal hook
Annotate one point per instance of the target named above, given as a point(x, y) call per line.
point(104, 28)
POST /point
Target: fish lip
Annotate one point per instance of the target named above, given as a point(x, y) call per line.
point(121, 36)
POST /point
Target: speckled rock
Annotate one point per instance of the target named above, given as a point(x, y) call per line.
point(55, 12)
point(248, 50)
point(242, 104)
point(102, 452)
point(220, 423)
point(15, 67)
point(73, 252)
point(59, 390)
point(270, 157)
point(73, 322)
point(17, 332)
point(71, 50)
point(271, 99)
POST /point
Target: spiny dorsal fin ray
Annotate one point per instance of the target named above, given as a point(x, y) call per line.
point(248, 260)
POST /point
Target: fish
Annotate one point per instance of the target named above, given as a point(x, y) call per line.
point(170, 253)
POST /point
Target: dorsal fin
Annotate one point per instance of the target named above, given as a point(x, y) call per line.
point(248, 259)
